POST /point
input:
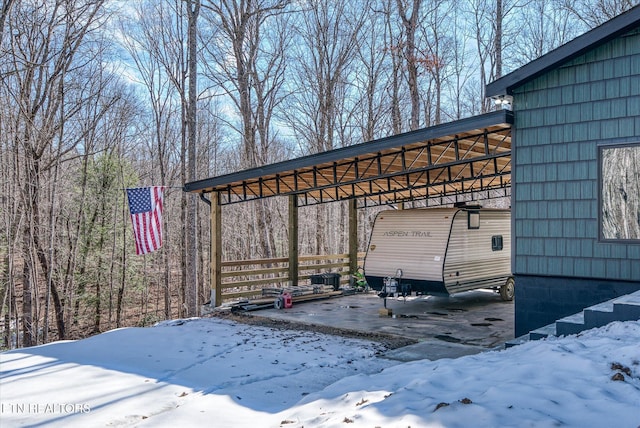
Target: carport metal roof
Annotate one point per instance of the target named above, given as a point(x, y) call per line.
point(465, 156)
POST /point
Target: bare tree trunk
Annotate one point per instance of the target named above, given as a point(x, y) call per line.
point(5, 275)
point(395, 47)
point(166, 285)
point(410, 54)
point(256, 78)
point(193, 10)
point(4, 12)
point(27, 302)
point(40, 58)
point(112, 264)
point(52, 236)
point(182, 307)
point(99, 272)
point(12, 214)
point(483, 48)
point(120, 297)
point(497, 41)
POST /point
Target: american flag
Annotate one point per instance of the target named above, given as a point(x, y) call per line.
point(145, 206)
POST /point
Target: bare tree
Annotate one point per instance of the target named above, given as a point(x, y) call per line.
point(252, 80)
point(166, 51)
point(492, 38)
point(595, 12)
point(545, 25)
point(4, 12)
point(411, 21)
point(193, 11)
point(12, 216)
point(372, 115)
point(327, 40)
point(156, 67)
point(435, 57)
point(393, 43)
point(461, 70)
point(44, 44)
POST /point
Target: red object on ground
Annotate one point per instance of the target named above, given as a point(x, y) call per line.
point(288, 301)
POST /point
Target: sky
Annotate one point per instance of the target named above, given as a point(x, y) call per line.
point(216, 373)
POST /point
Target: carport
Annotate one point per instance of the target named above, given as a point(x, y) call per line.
point(438, 165)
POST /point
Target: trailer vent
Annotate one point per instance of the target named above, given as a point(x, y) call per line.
point(496, 242)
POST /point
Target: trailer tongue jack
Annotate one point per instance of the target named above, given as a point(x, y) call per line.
point(392, 285)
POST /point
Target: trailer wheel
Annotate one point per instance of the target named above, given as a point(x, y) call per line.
point(507, 291)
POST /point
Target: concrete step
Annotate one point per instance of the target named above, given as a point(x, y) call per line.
point(627, 308)
point(599, 315)
point(542, 332)
point(573, 324)
point(517, 341)
point(623, 308)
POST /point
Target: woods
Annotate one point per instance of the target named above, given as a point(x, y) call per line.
point(98, 96)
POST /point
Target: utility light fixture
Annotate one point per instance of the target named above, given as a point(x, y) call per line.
point(505, 101)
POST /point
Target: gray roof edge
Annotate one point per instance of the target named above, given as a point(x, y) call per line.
point(609, 30)
point(444, 129)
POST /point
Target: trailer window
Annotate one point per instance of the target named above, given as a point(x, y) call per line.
point(474, 220)
point(496, 243)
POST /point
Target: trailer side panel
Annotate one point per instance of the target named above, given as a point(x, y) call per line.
point(411, 240)
point(478, 255)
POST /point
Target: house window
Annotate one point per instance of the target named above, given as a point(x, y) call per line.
point(496, 243)
point(619, 198)
point(474, 220)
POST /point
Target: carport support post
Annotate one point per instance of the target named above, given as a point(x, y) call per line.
point(293, 239)
point(353, 236)
point(216, 250)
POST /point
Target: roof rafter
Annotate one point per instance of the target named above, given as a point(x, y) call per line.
point(457, 157)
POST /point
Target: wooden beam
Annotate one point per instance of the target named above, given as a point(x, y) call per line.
point(353, 235)
point(216, 250)
point(293, 239)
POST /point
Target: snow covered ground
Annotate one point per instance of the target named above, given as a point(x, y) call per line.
point(215, 373)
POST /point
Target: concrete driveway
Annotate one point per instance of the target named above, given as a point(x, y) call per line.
point(446, 327)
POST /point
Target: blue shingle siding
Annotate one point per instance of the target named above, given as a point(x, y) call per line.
point(586, 248)
point(612, 89)
point(561, 118)
point(619, 108)
point(635, 269)
point(583, 266)
point(627, 126)
point(632, 104)
point(633, 252)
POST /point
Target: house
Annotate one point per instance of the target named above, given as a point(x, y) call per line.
point(573, 108)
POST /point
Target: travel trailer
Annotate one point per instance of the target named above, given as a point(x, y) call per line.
point(440, 251)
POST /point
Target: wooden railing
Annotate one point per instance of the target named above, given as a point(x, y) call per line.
point(247, 278)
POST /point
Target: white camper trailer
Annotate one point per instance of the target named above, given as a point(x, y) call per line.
point(440, 251)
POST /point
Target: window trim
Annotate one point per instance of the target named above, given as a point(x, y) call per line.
point(600, 148)
point(470, 213)
point(497, 243)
